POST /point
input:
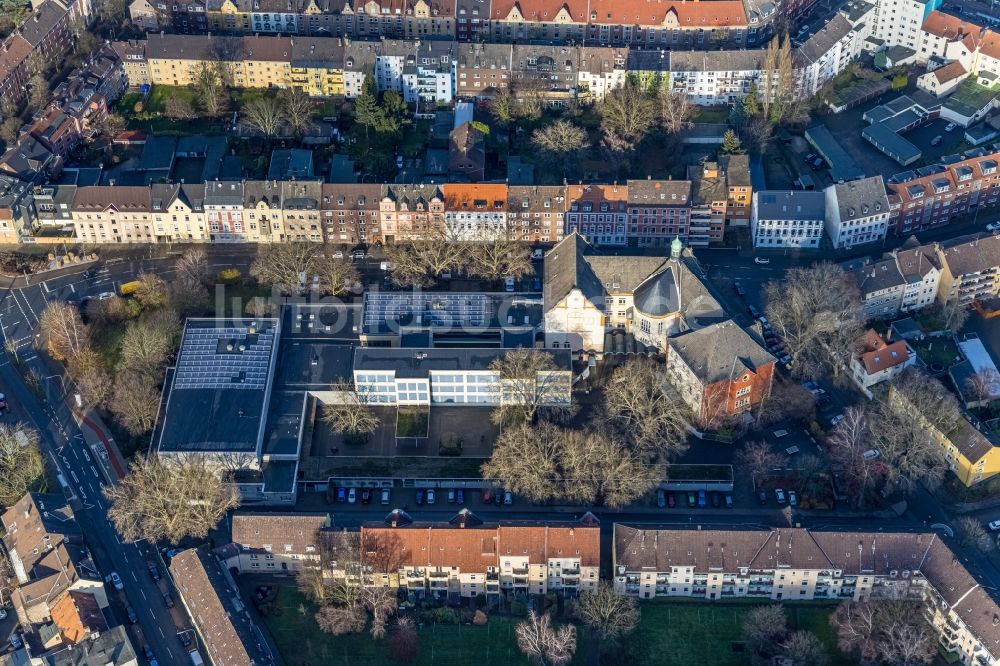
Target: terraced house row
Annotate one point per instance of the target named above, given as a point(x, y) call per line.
point(675, 24)
point(642, 213)
point(440, 70)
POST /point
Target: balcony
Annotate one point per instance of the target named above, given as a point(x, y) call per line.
point(438, 574)
point(523, 571)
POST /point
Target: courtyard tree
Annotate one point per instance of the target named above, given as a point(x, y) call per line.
point(560, 142)
point(10, 129)
point(135, 401)
point(817, 313)
point(788, 401)
point(178, 108)
point(886, 631)
point(352, 416)
point(758, 458)
point(529, 384)
point(150, 341)
point(404, 643)
point(62, 330)
point(544, 644)
point(341, 620)
point(803, 648)
point(638, 407)
point(608, 614)
point(629, 112)
point(675, 110)
point(210, 85)
point(297, 109)
point(763, 628)
point(731, 144)
point(263, 114)
point(503, 107)
point(21, 465)
point(169, 500)
point(983, 385)
point(848, 446)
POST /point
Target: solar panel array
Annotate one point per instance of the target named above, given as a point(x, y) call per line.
point(382, 309)
point(205, 362)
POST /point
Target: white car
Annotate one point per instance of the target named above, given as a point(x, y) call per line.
point(508, 284)
point(993, 226)
point(352, 496)
point(116, 580)
point(763, 261)
point(871, 454)
point(994, 525)
point(950, 127)
point(836, 419)
point(338, 255)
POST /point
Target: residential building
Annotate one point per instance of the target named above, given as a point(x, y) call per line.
point(300, 211)
point(897, 22)
point(658, 212)
point(549, 72)
point(212, 601)
point(143, 15)
point(709, 201)
point(108, 647)
point(949, 38)
point(261, 210)
point(602, 69)
point(182, 18)
point(710, 77)
point(467, 152)
point(178, 212)
point(670, 26)
point(113, 214)
point(466, 557)
point(475, 212)
point(934, 195)
point(482, 69)
point(857, 212)
point(536, 213)
point(428, 76)
point(829, 50)
point(971, 450)
point(651, 68)
point(224, 212)
point(598, 213)
point(408, 212)
point(970, 268)
point(18, 219)
point(720, 370)
point(875, 361)
point(736, 169)
point(279, 543)
point(318, 66)
point(350, 213)
point(590, 300)
point(787, 218)
point(407, 376)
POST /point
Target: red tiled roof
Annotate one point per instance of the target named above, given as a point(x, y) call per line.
point(695, 14)
point(949, 72)
point(950, 27)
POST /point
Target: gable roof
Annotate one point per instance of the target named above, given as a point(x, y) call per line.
point(298, 530)
point(876, 355)
point(720, 351)
point(78, 615)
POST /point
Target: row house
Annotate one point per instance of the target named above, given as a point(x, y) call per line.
point(598, 213)
point(429, 77)
point(183, 18)
point(17, 211)
point(44, 33)
point(300, 211)
point(178, 212)
point(483, 69)
point(720, 370)
point(715, 77)
point(279, 543)
point(475, 212)
point(466, 557)
point(351, 213)
point(224, 212)
point(536, 213)
point(857, 212)
point(736, 169)
point(675, 26)
point(709, 202)
point(411, 212)
point(787, 218)
point(658, 212)
point(262, 209)
point(932, 196)
point(113, 214)
point(904, 280)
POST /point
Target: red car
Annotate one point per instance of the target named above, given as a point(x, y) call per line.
point(671, 502)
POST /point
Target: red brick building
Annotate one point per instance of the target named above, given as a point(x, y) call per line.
point(720, 370)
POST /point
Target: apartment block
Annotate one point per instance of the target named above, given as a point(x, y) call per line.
point(411, 212)
point(904, 280)
point(659, 211)
point(475, 212)
point(536, 213)
point(857, 212)
point(897, 22)
point(715, 77)
point(970, 268)
point(736, 169)
point(787, 218)
point(466, 557)
point(279, 543)
point(599, 213)
point(350, 213)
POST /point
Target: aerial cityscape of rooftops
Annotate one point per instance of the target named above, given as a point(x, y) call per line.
point(500, 332)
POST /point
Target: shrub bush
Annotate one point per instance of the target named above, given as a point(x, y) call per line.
point(229, 276)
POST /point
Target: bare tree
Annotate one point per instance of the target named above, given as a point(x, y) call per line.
point(849, 446)
point(420, 263)
point(891, 631)
point(802, 648)
point(955, 314)
point(93, 381)
point(497, 258)
point(758, 458)
point(972, 534)
point(353, 416)
point(675, 110)
point(135, 401)
point(8, 581)
point(178, 108)
point(789, 401)
point(62, 330)
point(608, 614)
point(210, 84)
point(528, 384)
point(285, 266)
point(341, 620)
point(192, 266)
point(983, 385)
point(561, 143)
point(381, 603)
point(298, 109)
point(263, 114)
point(817, 313)
point(152, 291)
point(10, 130)
point(545, 644)
point(21, 465)
point(148, 343)
point(404, 643)
point(337, 275)
point(39, 95)
point(169, 500)
point(503, 107)
point(764, 627)
point(637, 406)
point(629, 112)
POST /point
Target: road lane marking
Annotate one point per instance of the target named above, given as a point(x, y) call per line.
point(141, 591)
point(161, 632)
point(134, 576)
point(151, 614)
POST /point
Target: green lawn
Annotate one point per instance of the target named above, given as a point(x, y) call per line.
point(671, 632)
point(941, 350)
point(710, 114)
point(301, 643)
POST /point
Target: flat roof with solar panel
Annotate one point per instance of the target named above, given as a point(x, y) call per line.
point(217, 398)
point(388, 312)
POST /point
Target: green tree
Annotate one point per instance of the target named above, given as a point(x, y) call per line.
point(731, 143)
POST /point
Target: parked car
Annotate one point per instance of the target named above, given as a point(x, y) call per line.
point(716, 500)
point(793, 499)
point(810, 385)
point(399, 161)
point(691, 499)
point(338, 255)
point(451, 496)
point(508, 498)
point(754, 312)
point(762, 497)
point(358, 255)
point(779, 495)
point(950, 127)
point(661, 499)
point(3, 403)
point(994, 525)
point(132, 617)
point(702, 500)
point(740, 290)
point(508, 284)
point(460, 496)
point(537, 254)
point(761, 260)
point(430, 496)
point(116, 580)
point(183, 637)
point(837, 418)
point(936, 140)
point(420, 497)
point(366, 495)
point(341, 494)
point(385, 496)
point(168, 600)
point(15, 641)
point(671, 500)
point(993, 226)
point(810, 157)
point(154, 571)
point(729, 501)
point(352, 496)
point(871, 454)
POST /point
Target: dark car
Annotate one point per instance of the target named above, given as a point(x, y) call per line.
point(740, 290)
point(132, 617)
point(671, 500)
point(762, 497)
point(691, 499)
point(716, 501)
point(420, 497)
point(729, 501)
point(341, 494)
point(460, 496)
point(168, 600)
point(366, 495)
point(661, 499)
point(154, 571)
point(701, 499)
point(754, 312)
point(3, 403)
point(184, 638)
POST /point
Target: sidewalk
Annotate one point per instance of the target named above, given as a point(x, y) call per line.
point(100, 441)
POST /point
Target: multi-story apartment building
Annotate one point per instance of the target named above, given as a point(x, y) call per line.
point(300, 211)
point(787, 218)
point(262, 210)
point(44, 31)
point(720, 370)
point(736, 169)
point(429, 76)
point(857, 212)
point(280, 543)
point(715, 77)
point(466, 558)
point(317, 66)
point(709, 202)
point(550, 72)
point(113, 214)
point(411, 212)
point(897, 22)
point(658, 212)
point(599, 213)
point(224, 212)
point(536, 213)
point(179, 212)
point(475, 212)
point(932, 196)
point(481, 69)
point(602, 22)
point(830, 49)
point(904, 280)
point(602, 69)
point(970, 268)
point(351, 213)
